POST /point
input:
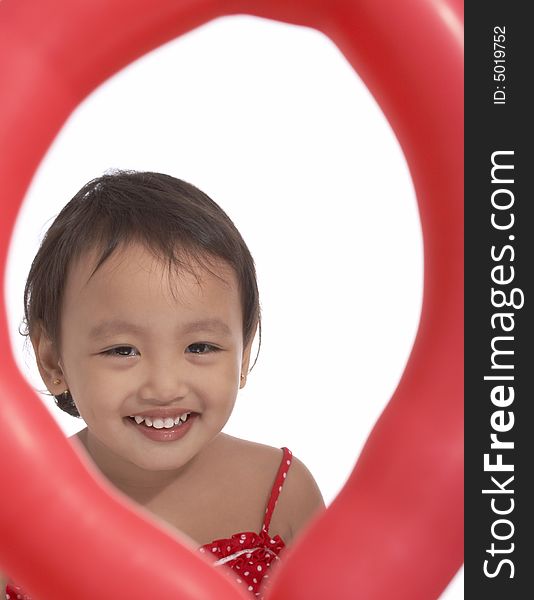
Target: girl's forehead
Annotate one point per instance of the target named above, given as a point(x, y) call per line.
point(133, 280)
point(135, 286)
point(135, 260)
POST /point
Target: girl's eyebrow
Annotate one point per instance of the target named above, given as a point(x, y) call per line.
point(118, 326)
point(213, 324)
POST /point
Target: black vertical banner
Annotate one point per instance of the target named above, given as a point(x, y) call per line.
point(499, 259)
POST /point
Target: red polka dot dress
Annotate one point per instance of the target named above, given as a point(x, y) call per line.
point(250, 555)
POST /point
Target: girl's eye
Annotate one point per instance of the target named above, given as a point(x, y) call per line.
point(121, 351)
point(201, 348)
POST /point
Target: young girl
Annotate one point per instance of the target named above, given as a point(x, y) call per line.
point(142, 306)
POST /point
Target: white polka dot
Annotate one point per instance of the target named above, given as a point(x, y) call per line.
point(259, 567)
point(273, 542)
point(8, 596)
point(250, 562)
point(228, 547)
point(254, 580)
point(214, 549)
point(237, 567)
point(280, 489)
point(245, 573)
point(288, 462)
point(243, 537)
point(250, 588)
point(202, 550)
point(239, 580)
point(241, 541)
point(285, 475)
point(249, 555)
point(266, 577)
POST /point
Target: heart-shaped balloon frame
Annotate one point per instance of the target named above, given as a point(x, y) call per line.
point(396, 528)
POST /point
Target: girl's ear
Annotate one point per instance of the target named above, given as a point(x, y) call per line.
point(246, 361)
point(48, 361)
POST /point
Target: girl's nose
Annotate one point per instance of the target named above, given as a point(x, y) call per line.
point(165, 382)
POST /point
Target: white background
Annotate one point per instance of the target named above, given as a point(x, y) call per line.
point(271, 121)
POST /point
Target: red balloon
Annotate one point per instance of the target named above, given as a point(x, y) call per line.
point(396, 529)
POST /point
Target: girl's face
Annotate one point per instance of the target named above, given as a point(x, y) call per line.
point(135, 339)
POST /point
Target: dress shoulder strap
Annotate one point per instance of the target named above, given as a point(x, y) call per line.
point(277, 487)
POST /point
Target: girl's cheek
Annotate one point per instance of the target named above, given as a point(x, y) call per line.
point(221, 379)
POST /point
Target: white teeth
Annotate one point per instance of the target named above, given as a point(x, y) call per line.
point(159, 423)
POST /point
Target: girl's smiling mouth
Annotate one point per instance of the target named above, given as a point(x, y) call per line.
point(163, 429)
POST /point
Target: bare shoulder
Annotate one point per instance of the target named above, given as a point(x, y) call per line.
point(300, 498)
point(250, 458)
point(303, 498)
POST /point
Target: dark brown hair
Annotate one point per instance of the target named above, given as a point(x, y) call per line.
point(173, 219)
